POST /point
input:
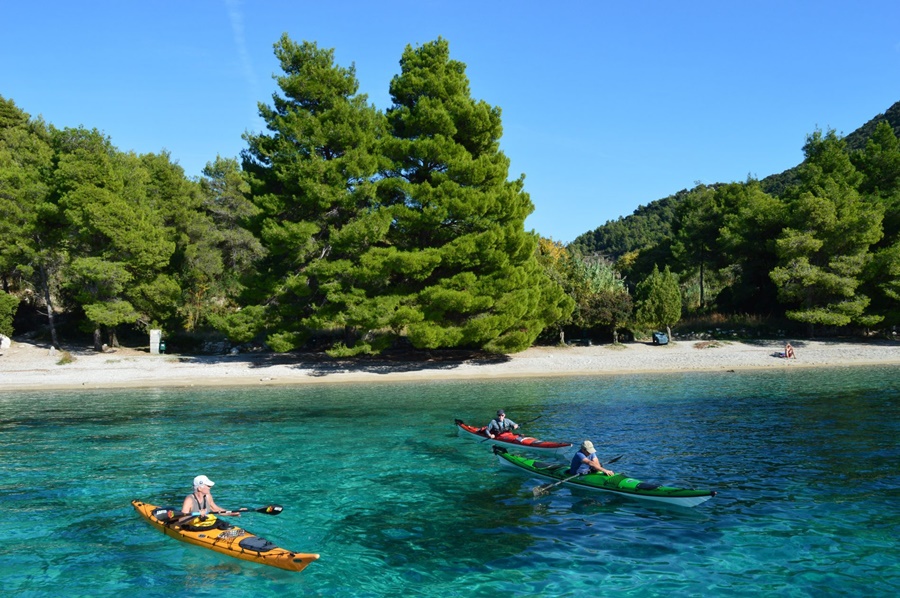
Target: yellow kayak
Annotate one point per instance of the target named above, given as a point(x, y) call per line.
point(232, 540)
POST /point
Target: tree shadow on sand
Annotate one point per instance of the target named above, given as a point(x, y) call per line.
point(320, 365)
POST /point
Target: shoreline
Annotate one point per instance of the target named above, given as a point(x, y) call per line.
point(30, 366)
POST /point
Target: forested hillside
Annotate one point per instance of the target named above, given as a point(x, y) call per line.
point(817, 244)
point(648, 224)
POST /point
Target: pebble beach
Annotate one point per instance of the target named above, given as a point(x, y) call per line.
point(26, 365)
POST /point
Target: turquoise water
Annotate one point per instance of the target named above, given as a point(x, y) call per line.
point(374, 478)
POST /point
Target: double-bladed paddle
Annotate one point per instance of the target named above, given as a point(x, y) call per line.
point(267, 510)
point(520, 425)
point(543, 488)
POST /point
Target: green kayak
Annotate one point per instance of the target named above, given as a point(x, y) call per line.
point(619, 484)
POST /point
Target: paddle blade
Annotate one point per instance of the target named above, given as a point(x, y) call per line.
point(270, 509)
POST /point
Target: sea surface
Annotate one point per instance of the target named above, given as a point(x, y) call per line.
point(374, 478)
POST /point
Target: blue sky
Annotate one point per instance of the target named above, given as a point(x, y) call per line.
point(606, 105)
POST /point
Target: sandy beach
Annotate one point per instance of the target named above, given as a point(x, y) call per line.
point(32, 366)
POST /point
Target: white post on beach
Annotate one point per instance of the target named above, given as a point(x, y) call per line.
point(155, 336)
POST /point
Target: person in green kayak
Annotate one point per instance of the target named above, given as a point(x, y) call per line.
point(585, 461)
point(201, 501)
point(500, 424)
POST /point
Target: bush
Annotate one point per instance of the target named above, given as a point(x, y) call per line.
point(8, 306)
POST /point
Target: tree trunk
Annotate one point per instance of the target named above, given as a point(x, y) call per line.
point(113, 338)
point(701, 281)
point(45, 282)
point(98, 339)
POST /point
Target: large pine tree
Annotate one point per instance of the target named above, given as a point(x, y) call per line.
point(32, 253)
point(378, 228)
point(825, 247)
point(461, 264)
point(879, 164)
point(312, 179)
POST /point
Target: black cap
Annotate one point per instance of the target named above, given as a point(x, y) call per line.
point(501, 412)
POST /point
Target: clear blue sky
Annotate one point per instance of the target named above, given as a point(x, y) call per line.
point(606, 105)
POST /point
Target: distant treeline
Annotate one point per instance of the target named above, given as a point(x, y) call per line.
point(348, 229)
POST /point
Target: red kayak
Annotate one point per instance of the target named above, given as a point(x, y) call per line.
point(508, 439)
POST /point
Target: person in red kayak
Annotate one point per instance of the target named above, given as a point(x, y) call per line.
point(201, 501)
point(500, 424)
point(585, 461)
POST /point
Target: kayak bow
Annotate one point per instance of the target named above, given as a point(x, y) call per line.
point(619, 484)
point(233, 541)
point(508, 439)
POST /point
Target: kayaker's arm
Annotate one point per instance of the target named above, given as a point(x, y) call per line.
point(214, 508)
point(595, 465)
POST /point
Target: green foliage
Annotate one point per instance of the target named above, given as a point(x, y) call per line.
point(8, 306)
point(380, 225)
point(659, 300)
point(30, 251)
point(480, 284)
point(241, 326)
point(345, 227)
point(818, 244)
point(752, 221)
point(312, 183)
point(825, 249)
point(646, 227)
point(600, 294)
point(110, 313)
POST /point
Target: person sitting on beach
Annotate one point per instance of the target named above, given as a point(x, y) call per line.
point(789, 351)
point(585, 461)
point(500, 425)
point(201, 501)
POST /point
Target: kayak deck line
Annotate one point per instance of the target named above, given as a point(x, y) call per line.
point(619, 484)
point(232, 541)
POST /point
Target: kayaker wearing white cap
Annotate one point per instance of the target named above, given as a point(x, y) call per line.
point(585, 461)
point(201, 501)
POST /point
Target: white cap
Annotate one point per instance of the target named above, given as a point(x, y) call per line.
point(588, 446)
point(202, 479)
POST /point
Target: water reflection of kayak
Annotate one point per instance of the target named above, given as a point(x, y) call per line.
point(619, 484)
point(508, 439)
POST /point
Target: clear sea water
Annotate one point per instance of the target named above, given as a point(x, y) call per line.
point(374, 478)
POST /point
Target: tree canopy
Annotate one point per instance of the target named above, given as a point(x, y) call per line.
point(350, 229)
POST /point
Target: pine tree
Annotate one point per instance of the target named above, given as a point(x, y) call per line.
point(879, 163)
point(31, 254)
point(825, 247)
point(460, 264)
point(117, 240)
point(312, 180)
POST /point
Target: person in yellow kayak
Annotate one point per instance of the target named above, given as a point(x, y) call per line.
point(500, 425)
point(585, 461)
point(201, 501)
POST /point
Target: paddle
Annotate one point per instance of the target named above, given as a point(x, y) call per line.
point(543, 488)
point(520, 425)
point(267, 510)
